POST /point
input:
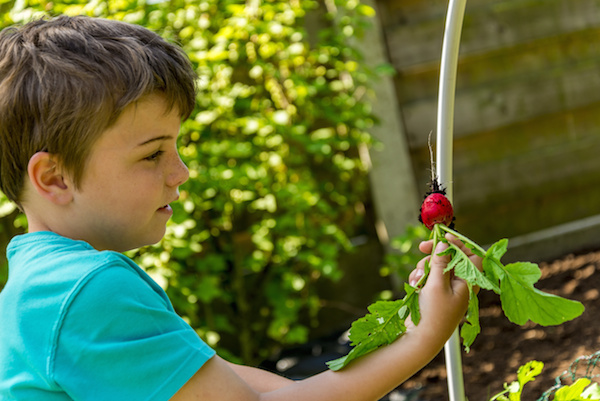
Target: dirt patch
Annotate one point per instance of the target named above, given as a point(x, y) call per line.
point(502, 346)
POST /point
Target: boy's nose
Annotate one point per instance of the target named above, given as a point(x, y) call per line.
point(179, 174)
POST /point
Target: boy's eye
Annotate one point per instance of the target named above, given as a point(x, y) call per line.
point(154, 156)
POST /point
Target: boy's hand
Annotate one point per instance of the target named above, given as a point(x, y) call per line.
point(444, 298)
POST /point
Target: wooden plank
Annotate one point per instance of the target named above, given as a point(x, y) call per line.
point(489, 26)
point(497, 104)
point(555, 242)
point(396, 12)
point(551, 54)
point(574, 131)
point(560, 167)
point(516, 216)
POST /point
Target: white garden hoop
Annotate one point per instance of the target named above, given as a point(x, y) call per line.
point(444, 138)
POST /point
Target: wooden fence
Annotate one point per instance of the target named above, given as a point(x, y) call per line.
point(527, 122)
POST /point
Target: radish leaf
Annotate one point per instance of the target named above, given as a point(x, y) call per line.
point(522, 302)
point(471, 328)
point(412, 302)
point(464, 268)
point(381, 326)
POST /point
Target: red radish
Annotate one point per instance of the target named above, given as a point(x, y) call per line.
point(436, 208)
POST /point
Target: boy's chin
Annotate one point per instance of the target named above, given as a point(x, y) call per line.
point(149, 242)
point(141, 243)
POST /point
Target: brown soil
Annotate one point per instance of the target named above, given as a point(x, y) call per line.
point(502, 346)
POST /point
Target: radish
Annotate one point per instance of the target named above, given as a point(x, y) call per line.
point(436, 208)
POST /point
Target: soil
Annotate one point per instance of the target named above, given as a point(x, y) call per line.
point(502, 346)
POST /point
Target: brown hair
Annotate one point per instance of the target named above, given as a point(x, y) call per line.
point(64, 81)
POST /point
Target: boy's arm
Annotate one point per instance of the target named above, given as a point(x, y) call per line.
point(443, 302)
point(260, 380)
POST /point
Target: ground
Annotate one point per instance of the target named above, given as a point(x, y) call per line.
point(502, 347)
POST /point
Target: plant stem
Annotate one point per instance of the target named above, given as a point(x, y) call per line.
point(461, 237)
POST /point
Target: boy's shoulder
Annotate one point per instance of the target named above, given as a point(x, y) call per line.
point(46, 273)
point(58, 267)
point(50, 276)
point(46, 254)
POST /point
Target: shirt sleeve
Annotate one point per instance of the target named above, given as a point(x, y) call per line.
point(120, 340)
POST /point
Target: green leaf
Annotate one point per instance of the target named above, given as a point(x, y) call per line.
point(572, 392)
point(528, 372)
point(498, 249)
point(339, 363)
point(525, 271)
point(492, 267)
point(466, 269)
point(592, 392)
point(412, 303)
point(525, 374)
point(474, 248)
point(381, 326)
point(471, 328)
point(522, 302)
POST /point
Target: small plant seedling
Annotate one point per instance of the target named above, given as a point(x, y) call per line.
point(582, 389)
point(526, 373)
point(514, 283)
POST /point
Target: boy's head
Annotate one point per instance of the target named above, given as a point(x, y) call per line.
point(64, 81)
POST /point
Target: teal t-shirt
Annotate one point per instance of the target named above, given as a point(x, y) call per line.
point(80, 324)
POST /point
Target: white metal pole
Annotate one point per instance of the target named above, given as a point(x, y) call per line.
point(444, 138)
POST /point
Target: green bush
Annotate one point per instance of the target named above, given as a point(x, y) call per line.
point(405, 255)
point(276, 180)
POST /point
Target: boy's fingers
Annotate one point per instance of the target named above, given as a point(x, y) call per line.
point(438, 263)
point(426, 246)
point(418, 272)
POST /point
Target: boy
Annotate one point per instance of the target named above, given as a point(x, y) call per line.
point(90, 113)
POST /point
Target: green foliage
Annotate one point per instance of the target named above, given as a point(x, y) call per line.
point(526, 373)
point(11, 223)
point(402, 262)
point(276, 181)
point(582, 389)
point(521, 301)
point(381, 326)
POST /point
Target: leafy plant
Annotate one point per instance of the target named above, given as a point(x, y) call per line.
point(521, 301)
point(407, 254)
point(582, 389)
point(276, 182)
point(525, 374)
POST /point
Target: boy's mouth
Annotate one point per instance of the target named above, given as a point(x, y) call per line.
point(165, 208)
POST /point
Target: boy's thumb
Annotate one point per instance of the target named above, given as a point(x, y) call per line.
point(438, 262)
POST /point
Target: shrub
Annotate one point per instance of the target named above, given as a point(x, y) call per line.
point(276, 180)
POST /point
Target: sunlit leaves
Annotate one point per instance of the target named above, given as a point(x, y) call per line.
point(273, 151)
point(276, 181)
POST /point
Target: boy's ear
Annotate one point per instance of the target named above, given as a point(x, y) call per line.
point(46, 177)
